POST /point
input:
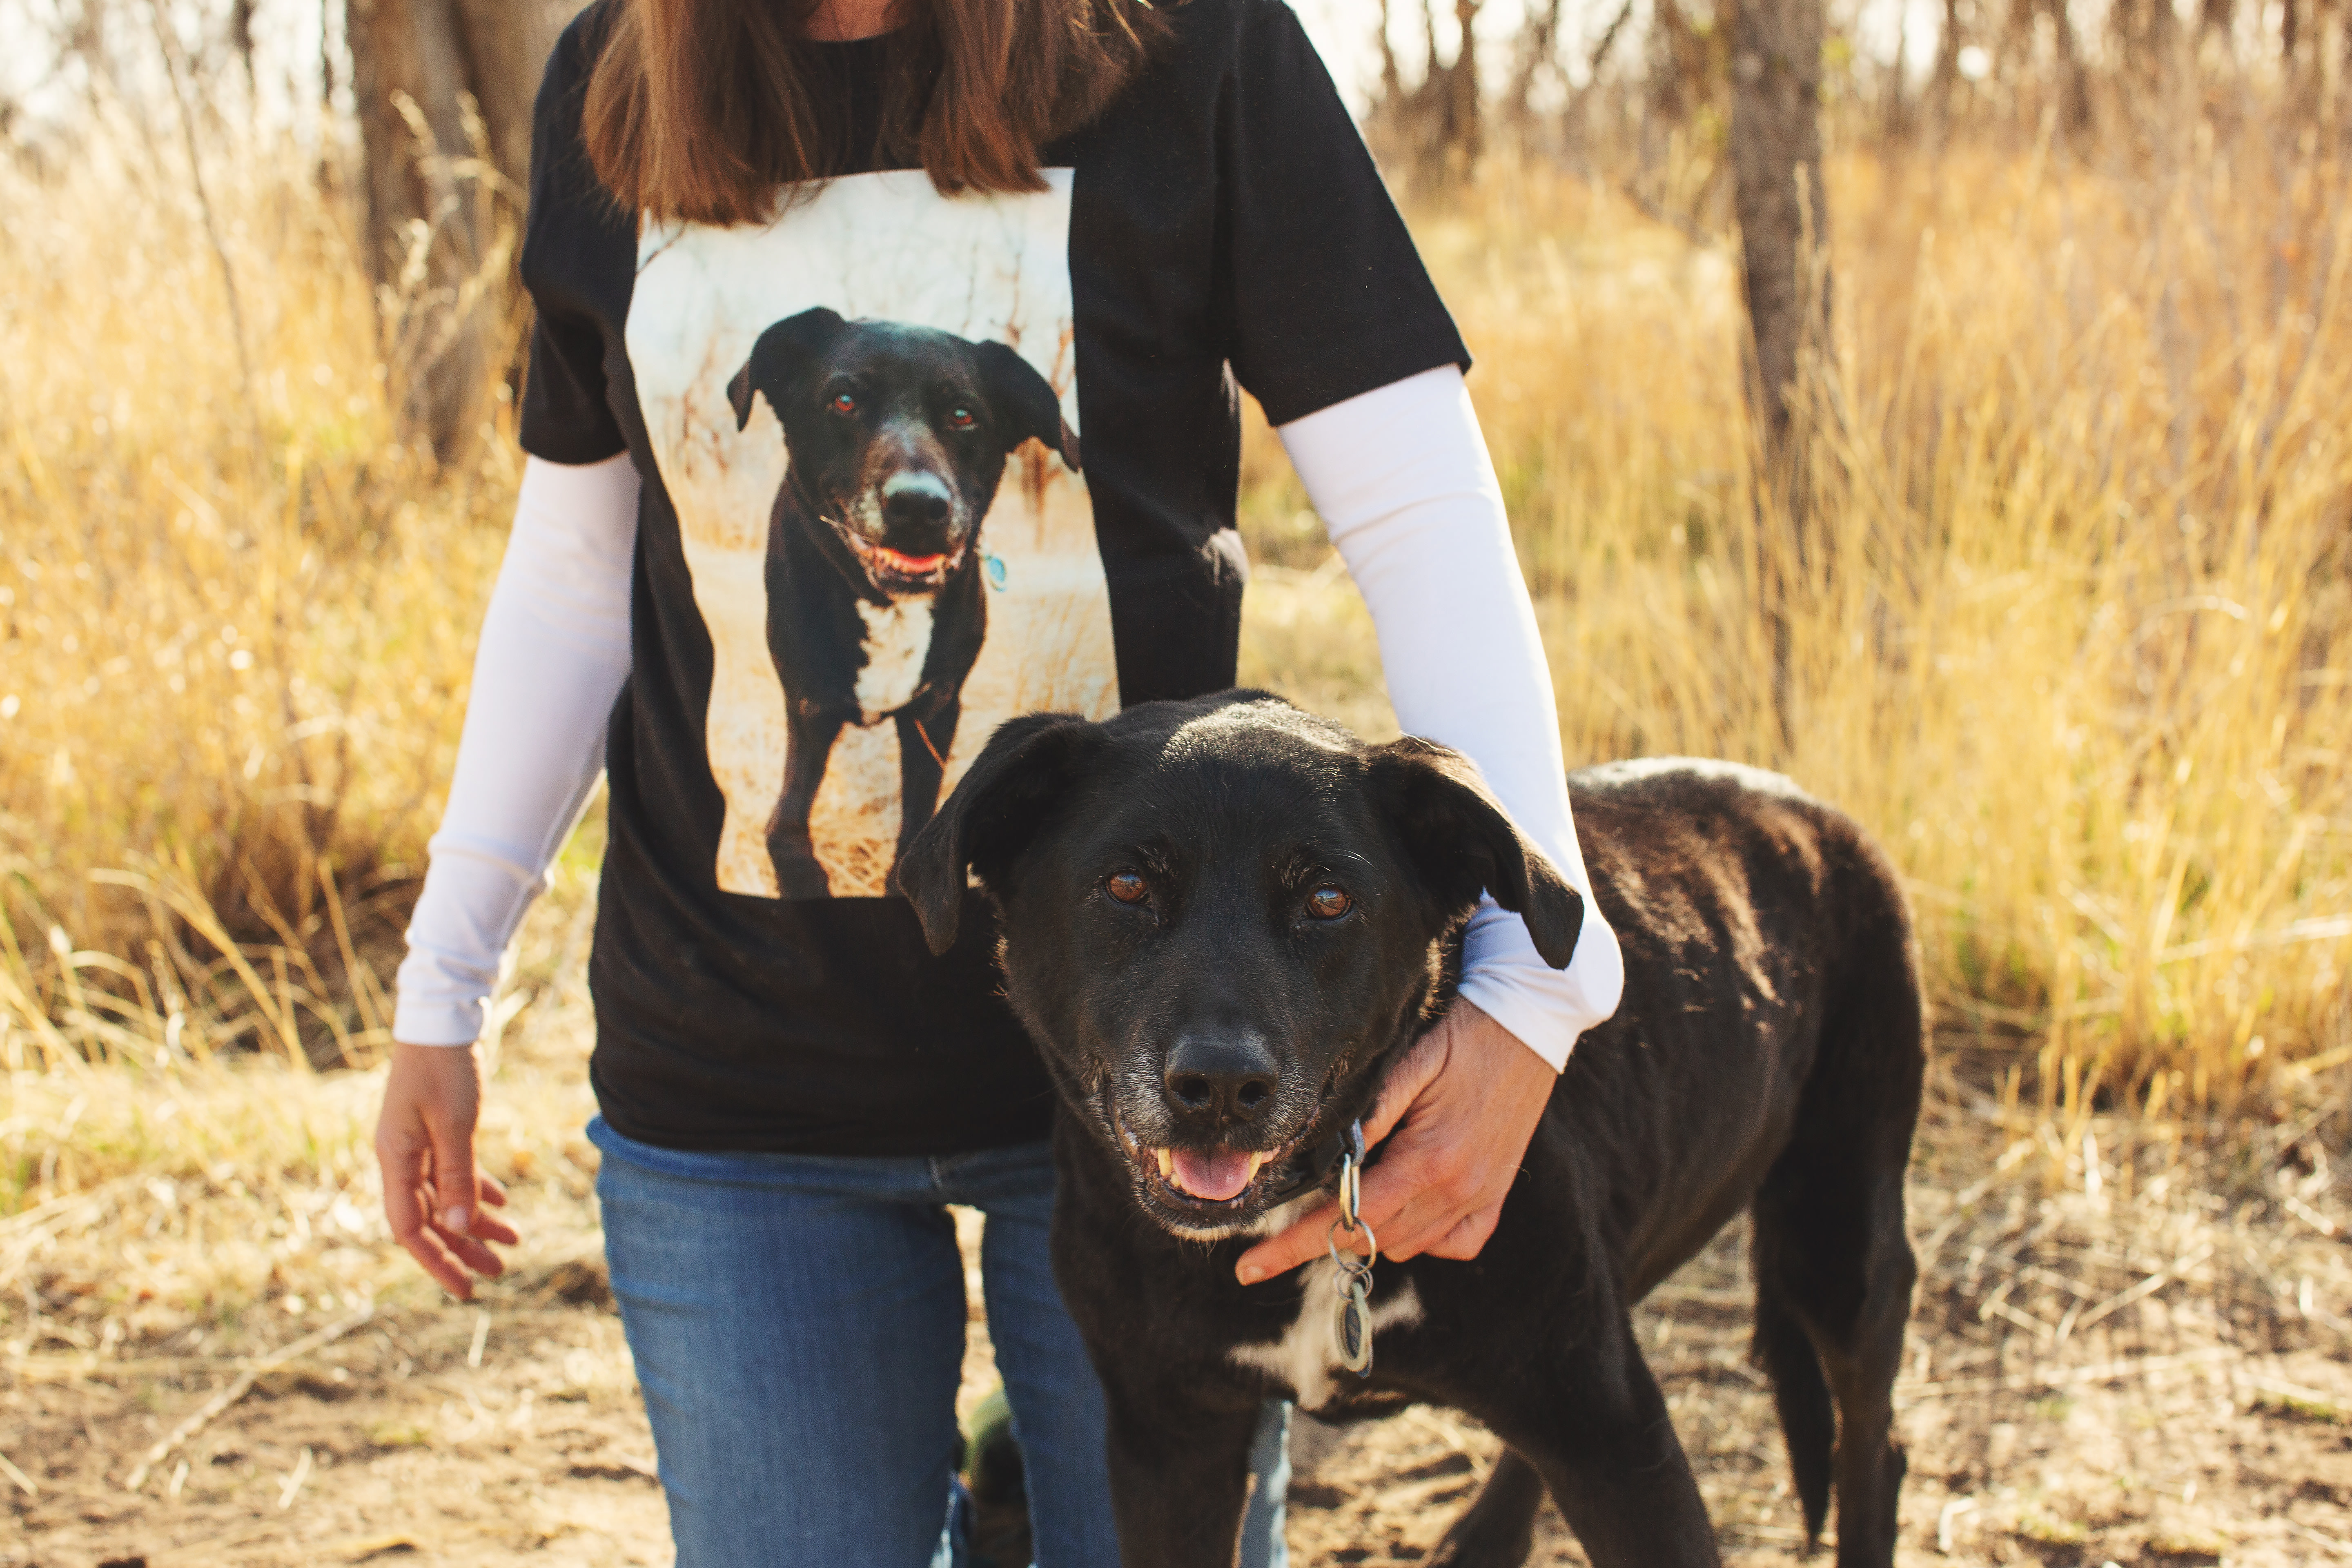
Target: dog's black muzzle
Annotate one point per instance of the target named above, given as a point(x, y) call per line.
point(1217, 1086)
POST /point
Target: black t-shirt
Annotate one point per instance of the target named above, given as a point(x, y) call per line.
point(913, 465)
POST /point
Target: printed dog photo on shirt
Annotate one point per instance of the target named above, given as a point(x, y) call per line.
point(865, 415)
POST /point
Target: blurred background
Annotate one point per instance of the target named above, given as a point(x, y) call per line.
point(1940, 400)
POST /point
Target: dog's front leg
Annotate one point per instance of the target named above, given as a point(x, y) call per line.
point(1598, 1433)
point(810, 731)
point(1180, 1474)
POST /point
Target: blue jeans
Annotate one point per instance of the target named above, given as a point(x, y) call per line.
point(798, 1327)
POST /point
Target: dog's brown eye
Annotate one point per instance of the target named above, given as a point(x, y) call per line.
point(1329, 903)
point(842, 403)
point(1127, 886)
point(961, 418)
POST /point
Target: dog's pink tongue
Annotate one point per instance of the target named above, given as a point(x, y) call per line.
point(1216, 1174)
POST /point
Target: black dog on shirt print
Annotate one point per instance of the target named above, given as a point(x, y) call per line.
point(896, 436)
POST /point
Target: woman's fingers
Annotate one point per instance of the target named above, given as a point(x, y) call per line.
point(451, 1127)
point(434, 1198)
point(407, 1200)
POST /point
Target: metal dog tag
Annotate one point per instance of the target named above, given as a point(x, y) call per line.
point(1352, 1333)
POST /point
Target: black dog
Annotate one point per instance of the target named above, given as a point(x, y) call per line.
point(898, 436)
point(1223, 919)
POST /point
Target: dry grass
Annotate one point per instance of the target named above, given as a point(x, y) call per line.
point(236, 620)
point(2074, 633)
point(2074, 630)
point(245, 1182)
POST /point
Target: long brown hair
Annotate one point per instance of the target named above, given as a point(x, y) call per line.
point(698, 109)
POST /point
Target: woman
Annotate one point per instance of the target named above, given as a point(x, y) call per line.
point(882, 388)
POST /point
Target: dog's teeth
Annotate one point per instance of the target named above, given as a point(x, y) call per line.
point(1167, 1158)
point(1257, 1161)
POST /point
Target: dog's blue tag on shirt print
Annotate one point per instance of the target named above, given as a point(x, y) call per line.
point(995, 566)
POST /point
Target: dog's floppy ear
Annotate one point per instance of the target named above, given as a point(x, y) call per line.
point(1462, 840)
point(1027, 402)
point(1025, 768)
point(782, 355)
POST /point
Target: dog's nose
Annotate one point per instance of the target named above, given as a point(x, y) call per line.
point(915, 501)
point(1230, 1076)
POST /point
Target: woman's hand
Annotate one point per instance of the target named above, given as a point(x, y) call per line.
point(1463, 1103)
point(424, 1140)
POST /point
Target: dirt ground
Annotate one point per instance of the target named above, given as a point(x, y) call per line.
point(2126, 1351)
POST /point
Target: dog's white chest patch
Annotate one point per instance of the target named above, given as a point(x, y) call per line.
point(1306, 1357)
point(897, 637)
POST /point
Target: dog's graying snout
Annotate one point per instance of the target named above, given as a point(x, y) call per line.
point(1229, 1076)
point(916, 500)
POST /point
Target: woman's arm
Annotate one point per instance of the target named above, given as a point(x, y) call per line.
point(553, 655)
point(1402, 479)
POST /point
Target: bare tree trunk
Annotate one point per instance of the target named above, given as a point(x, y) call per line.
point(1943, 78)
point(435, 82)
point(508, 43)
point(1538, 46)
point(1391, 80)
point(1894, 113)
point(2150, 31)
point(2216, 16)
point(240, 32)
point(2074, 75)
point(1462, 127)
point(1776, 150)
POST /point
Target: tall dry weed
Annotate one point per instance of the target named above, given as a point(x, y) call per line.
point(235, 617)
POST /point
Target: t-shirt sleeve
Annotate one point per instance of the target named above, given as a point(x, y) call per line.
point(566, 415)
point(1329, 297)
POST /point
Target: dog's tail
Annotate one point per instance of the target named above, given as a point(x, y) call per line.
point(1808, 1421)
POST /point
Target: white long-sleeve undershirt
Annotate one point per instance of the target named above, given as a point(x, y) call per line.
point(1401, 477)
point(553, 655)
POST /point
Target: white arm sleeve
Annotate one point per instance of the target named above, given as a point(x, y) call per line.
point(1402, 480)
point(553, 655)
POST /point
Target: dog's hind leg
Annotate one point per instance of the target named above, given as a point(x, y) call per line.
point(1833, 1269)
point(1499, 1529)
point(1832, 1265)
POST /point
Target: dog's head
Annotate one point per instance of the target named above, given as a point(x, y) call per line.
point(898, 433)
point(1222, 919)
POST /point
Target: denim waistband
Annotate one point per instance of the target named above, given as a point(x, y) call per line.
point(943, 1176)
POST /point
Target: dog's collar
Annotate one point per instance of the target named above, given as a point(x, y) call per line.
point(1322, 1163)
